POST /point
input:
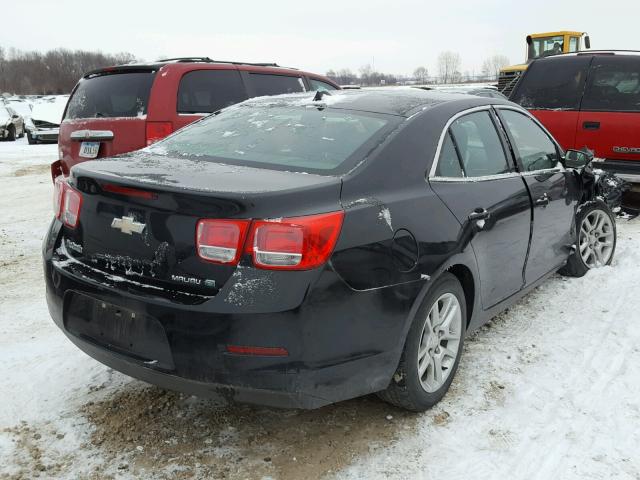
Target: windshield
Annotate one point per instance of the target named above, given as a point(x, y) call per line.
point(313, 140)
point(4, 113)
point(113, 95)
point(546, 46)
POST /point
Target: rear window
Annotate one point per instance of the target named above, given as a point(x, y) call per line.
point(264, 84)
point(206, 91)
point(614, 85)
point(111, 95)
point(281, 138)
point(553, 84)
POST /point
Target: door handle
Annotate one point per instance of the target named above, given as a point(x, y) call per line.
point(542, 201)
point(591, 125)
point(479, 214)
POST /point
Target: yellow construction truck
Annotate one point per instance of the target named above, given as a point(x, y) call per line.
point(542, 45)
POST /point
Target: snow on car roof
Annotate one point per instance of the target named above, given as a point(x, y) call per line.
point(389, 100)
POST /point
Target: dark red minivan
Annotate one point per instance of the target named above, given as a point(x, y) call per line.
point(120, 109)
point(589, 100)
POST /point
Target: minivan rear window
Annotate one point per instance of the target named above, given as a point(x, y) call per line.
point(111, 95)
point(292, 138)
point(553, 84)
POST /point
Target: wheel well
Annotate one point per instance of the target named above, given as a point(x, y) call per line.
point(464, 276)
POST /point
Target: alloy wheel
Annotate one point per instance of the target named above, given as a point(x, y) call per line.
point(596, 239)
point(439, 342)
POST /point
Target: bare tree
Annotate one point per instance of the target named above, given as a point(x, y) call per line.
point(449, 66)
point(421, 74)
point(52, 72)
point(492, 65)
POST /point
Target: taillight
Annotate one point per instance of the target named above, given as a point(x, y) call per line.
point(66, 202)
point(58, 189)
point(157, 131)
point(56, 170)
point(221, 241)
point(71, 203)
point(299, 243)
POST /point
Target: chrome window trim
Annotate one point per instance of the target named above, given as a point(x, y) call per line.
point(559, 167)
point(432, 172)
point(483, 178)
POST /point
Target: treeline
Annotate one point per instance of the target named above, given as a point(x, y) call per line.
point(52, 72)
point(448, 71)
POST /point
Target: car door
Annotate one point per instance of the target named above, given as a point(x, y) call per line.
point(553, 192)
point(609, 122)
point(475, 177)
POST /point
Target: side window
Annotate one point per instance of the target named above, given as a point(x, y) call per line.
point(479, 145)
point(319, 85)
point(553, 84)
point(614, 84)
point(264, 84)
point(449, 162)
point(534, 148)
point(573, 44)
point(206, 91)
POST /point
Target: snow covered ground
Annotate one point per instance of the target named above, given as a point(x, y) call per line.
point(547, 390)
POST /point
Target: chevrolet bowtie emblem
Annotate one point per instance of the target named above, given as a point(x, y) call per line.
point(128, 225)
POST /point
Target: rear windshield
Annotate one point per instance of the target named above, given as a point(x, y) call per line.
point(112, 95)
point(553, 84)
point(312, 140)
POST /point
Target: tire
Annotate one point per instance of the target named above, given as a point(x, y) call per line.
point(21, 133)
point(595, 239)
point(12, 133)
point(30, 139)
point(407, 389)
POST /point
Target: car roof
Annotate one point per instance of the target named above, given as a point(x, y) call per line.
point(587, 53)
point(386, 100)
point(188, 63)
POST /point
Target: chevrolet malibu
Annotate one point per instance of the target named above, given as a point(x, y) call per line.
point(300, 250)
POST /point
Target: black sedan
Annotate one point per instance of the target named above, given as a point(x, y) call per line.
point(298, 250)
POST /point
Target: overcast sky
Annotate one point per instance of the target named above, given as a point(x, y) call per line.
point(394, 36)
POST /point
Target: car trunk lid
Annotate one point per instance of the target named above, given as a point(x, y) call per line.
point(140, 212)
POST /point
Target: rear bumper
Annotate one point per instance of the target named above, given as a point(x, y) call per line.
point(341, 343)
point(45, 135)
point(628, 170)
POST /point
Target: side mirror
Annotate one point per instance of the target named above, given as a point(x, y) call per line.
point(587, 42)
point(577, 159)
point(15, 116)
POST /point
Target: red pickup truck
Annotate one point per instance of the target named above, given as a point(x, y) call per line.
point(591, 100)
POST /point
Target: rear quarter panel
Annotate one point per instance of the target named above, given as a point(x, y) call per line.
point(398, 236)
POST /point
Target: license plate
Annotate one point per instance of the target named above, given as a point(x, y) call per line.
point(89, 149)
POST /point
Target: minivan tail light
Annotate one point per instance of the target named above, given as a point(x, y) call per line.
point(71, 203)
point(157, 131)
point(221, 241)
point(58, 190)
point(299, 243)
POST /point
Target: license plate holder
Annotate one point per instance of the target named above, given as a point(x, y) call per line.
point(89, 149)
point(125, 331)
